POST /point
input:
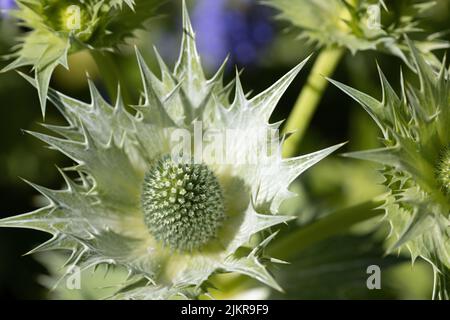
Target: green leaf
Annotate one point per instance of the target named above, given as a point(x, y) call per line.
point(336, 269)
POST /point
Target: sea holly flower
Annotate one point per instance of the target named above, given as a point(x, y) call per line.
point(59, 28)
point(416, 135)
point(142, 201)
point(357, 25)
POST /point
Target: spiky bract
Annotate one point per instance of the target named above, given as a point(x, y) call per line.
point(416, 135)
point(61, 27)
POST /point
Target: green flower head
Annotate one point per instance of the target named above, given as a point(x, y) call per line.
point(443, 171)
point(61, 27)
point(171, 209)
point(358, 25)
point(416, 156)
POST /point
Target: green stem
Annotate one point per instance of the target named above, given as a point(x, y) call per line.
point(310, 97)
point(111, 75)
point(331, 225)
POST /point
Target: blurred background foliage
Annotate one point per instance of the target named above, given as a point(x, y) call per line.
point(266, 49)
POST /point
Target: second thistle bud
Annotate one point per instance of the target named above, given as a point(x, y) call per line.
point(443, 172)
point(69, 17)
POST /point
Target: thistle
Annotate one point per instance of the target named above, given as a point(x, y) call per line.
point(416, 136)
point(357, 25)
point(171, 223)
point(59, 28)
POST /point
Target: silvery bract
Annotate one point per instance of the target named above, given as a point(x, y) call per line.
point(172, 225)
point(416, 135)
point(61, 27)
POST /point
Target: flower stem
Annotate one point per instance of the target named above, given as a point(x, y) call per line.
point(110, 74)
point(333, 224)
point(310, 97)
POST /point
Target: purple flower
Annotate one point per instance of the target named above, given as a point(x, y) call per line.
point(242, 31)
point(211, 31)
point(6, 5)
